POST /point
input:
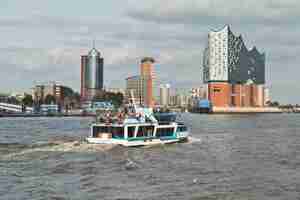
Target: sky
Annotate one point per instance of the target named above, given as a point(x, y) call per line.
point(43, 40)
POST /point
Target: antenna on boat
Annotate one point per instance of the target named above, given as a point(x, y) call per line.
point(133, 100)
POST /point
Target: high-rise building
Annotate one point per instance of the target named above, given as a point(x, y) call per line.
point(147, 78)
point(147, 67)
point(91, 74)
point(142, 85)
point(164, 92)
point(134, 87)
point(234, 74)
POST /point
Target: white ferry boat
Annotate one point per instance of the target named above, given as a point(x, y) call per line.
point(140, 128)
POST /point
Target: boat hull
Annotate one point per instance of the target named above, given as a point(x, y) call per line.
point(136, 143)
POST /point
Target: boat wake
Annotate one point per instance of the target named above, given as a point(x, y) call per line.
point(16, 151)
point(194, 140)
point(57, 146)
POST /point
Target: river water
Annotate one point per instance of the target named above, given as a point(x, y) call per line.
point(228, 157)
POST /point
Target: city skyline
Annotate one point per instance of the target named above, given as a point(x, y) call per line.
point(41, 42)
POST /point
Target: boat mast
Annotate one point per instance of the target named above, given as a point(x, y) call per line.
point(133, 100)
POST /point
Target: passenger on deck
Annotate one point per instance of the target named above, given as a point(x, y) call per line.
point(108, 117)
point(126, 110)
point(139, 116)
point(120, 117)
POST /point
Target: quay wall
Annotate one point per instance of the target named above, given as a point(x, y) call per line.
point(246, 110)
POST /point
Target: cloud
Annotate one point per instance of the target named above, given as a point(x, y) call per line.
point(45, 46)
point(216, 11)
point(270, 25)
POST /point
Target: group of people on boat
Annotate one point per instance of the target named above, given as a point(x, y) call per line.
point(118, 117)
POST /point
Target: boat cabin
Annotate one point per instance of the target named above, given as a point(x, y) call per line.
point(136, 131)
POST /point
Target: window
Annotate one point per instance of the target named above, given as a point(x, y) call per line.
point(145, 131)
point(217, 90)
point(130, 131)
point(117, 132)
point(181, 129)
point(100, 129)
point(165, 132)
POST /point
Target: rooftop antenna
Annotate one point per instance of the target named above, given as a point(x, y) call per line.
point(94, 43)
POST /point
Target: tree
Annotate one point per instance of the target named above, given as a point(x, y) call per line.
point(50, 99)
point(77, 96)
point(71, 98)
point(27, 100)
point(115, 98)
point(100, 96)
point(68, 92)
point(275, 104)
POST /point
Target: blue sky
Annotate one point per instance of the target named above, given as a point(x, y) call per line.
point(43, 40)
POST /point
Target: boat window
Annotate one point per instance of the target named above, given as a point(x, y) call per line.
point(165, 132)
point(165, 117)
point(145, 131)
point(100, 129)
point(181, 129)
point(95, 131)
point(131, 130)
point(117, 132)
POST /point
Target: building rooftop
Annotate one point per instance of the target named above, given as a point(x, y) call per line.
point(133, 77)
point(94, 52)
point(148, 59)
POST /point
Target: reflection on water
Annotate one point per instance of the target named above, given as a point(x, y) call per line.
point(227, 157)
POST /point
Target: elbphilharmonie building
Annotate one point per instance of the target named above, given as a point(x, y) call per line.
point(227, 59)
point(235, 75)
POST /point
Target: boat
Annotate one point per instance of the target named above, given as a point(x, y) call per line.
point(137, 127)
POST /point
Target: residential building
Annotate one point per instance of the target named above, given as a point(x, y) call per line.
point(41, 91)
point(199, 93)
point(134, 87)
point(164, 92)
point(115, 90)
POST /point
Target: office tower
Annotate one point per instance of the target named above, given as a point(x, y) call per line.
point(91, 74)
point(147, 78)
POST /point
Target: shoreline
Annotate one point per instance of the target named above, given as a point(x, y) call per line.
point(41, 115)
point(247, 110)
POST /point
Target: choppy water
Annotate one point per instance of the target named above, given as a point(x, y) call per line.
point(229, 157)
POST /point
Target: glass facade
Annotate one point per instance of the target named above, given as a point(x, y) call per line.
point(226, 59)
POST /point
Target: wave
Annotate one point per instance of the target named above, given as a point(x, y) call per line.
point(11, 145)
